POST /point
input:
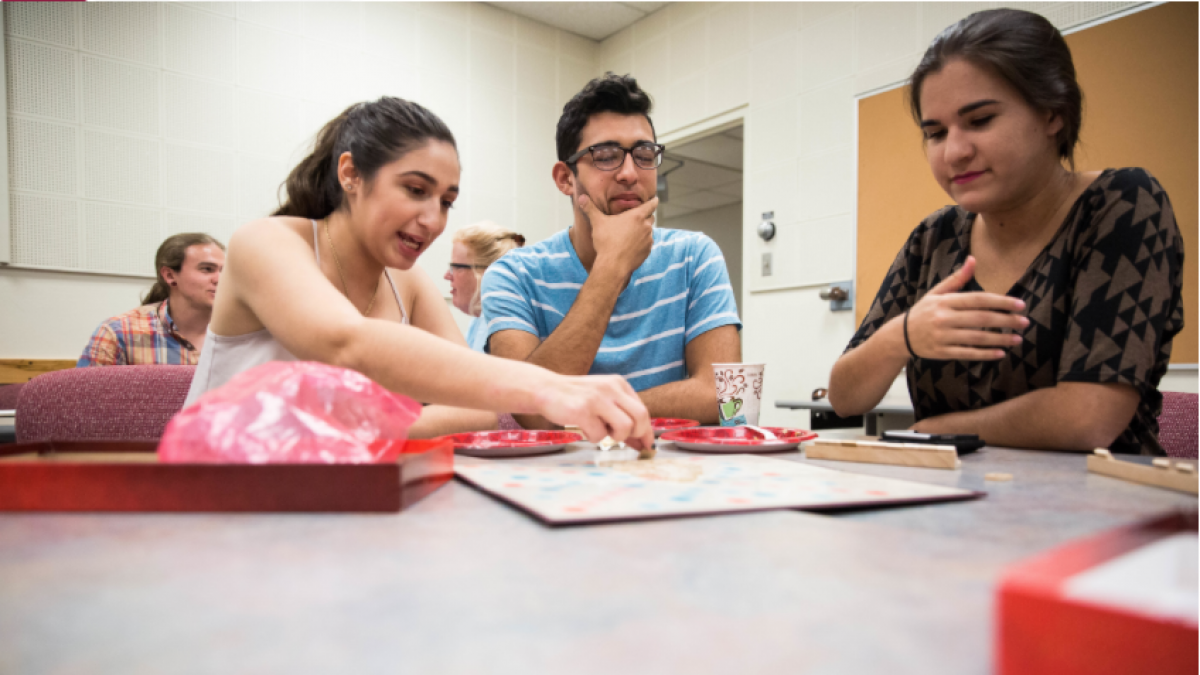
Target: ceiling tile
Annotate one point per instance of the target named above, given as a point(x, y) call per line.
point(734, 189)
point(593, 20)
point(677, 190)
point(703, 176)
point(719, 149)
point(699, 201)
point(671, 211)
point(646, 7)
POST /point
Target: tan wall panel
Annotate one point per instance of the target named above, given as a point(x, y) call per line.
point(1139, 80)
point(896, 189)
point(13, 371)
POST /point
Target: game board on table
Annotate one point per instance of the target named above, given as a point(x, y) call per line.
point(579, 491)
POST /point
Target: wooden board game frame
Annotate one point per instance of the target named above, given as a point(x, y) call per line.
point(118, 476)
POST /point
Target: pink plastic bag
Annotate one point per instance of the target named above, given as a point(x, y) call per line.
point(292, 412)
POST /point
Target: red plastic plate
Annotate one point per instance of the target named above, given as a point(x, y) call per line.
point(664, 424)
point(737, 439)
point(511, 443)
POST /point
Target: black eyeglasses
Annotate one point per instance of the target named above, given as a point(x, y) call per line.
point(462, 266)
point(610, 156)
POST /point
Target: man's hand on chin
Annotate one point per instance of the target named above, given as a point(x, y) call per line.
point(623, 240)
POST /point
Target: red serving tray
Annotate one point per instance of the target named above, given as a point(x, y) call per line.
point(665, 424)
point(1041, 632)
point(738, 435)
point(512, 439)
point(127, 477)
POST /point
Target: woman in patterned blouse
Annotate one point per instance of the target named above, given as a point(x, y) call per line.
point(1039, 311)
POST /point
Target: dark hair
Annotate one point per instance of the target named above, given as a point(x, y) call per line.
point(374, 133)
point(1023, 48)
point(610, 93)
point(171, 254)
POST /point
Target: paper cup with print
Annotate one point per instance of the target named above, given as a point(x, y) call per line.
point(739, 392)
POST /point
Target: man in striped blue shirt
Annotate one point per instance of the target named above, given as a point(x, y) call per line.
point(613, 294)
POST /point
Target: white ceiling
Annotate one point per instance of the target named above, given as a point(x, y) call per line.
point(593, 20)
point(711, 175)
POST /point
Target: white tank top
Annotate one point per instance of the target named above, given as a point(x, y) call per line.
point(224, 356)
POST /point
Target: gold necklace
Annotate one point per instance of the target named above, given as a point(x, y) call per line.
point(342, 275)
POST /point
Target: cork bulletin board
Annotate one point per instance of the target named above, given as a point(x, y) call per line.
point(1139, 80)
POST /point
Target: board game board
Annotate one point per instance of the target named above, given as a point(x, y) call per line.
point(579, 491)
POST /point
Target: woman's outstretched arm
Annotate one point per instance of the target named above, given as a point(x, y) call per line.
point(271, 272)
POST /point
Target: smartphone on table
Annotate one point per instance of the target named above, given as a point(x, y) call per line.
point(963, 443)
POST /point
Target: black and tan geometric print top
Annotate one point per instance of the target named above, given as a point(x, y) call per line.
point(1103, 301)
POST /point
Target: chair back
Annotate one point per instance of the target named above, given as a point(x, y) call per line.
point(112, 403)
point(8, 395)
point(1177, 424)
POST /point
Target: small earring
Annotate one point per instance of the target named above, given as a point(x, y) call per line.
point(346, 187)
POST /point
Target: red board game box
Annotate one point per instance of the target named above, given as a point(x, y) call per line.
point(1048, 625)
point(127, 477)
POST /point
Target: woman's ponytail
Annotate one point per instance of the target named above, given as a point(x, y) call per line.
point(374, 133)
point(312, 188)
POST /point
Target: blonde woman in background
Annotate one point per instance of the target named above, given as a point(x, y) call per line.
point(475, 247)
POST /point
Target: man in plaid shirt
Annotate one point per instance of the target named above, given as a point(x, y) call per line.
point(169, 327)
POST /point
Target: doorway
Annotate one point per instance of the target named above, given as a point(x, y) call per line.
point(704, 194)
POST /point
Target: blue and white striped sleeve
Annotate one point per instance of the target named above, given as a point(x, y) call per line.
point(710, 298)
point(506, 303)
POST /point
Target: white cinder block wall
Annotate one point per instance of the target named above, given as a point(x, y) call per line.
point(128, 122)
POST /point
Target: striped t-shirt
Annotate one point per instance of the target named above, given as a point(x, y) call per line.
point(682, 290)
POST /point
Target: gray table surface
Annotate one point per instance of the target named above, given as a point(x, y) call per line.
point(462, 583)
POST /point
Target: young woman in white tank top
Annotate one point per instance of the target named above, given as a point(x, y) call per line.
point(234, 353)
point(315, 282)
